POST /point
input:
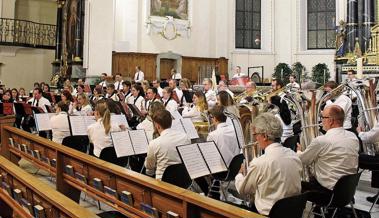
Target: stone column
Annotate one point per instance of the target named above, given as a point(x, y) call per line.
point(58, 36)
point(351, 24)
point(367, 22)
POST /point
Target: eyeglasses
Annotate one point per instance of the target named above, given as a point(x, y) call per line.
point(322, 117)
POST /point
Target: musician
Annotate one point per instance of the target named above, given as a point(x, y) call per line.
point(157, 85)
point(147, 124)
point(185, 86)
point(224, 136)
point(59, 122)
point(139, 76)
point(251, 88)
point(145, 85)
point(210, 95)
point(351, 75)
point(118, 83)
point(177, 93)
point(333, 155)
point(46, 92)
point(276, 84)
point(293, 85)
point(223, 86)
point(175, 75)
point(237, 72)
point(197, 110)
point(15, 96)
point(68, 99)
point(7, 97)
point(284, 116)
point(138, 96)
point(82, 105)
point(103, 82)
point(97, 94)
point(161, 151)
point(343, 101)
point(111, 93)
point(225, 100)
point(168, 101)
point(151, 96)
point(126, 90)
point(274, 175)
point(22, 93)
point(38, 100)
point(99, 132)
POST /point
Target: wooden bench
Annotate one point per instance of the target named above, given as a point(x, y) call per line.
point(6, 121)
point(33, 194)
point(162, 196)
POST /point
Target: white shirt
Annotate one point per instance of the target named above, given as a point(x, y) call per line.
point(226, 140)
point(42, 102)
point(371, 136)
point(160, 91)
point(176, 76)
point(103, 83)
point(334, 155)
point(238, 75)
point(162, 151)
point(346, 104)
point(139, 77)
point(139, 102)
point(193, 113)
point(229, 92)
point(171, 105)
point(87, 110)
point(118, 85)
point(293, 85)
point(210, 95)
point(60, 127)
point(127, 97)
point(114, 97)
point(287, 129)
point(148, 126)
point(271, 177)
point(179, 93)
point(100, 140)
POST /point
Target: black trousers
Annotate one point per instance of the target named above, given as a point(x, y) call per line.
point(369, 162)
point(320, 195)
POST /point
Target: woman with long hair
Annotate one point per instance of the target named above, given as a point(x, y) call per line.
point(99, 132)
point(147, 124)
point(97, 94)
point(59, 122)
point(283, 114)
point(224, 99)
point(198, 109)
point(82, 105)
point(168, 101)
point(138, 96)
point(68, 99)
point(15, 95)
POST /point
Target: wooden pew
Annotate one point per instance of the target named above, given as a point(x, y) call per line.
point(160, 195)
point(6, 121)
point(51, 202)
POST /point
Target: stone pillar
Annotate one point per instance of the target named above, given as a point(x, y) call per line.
point(79, 32)
point(58, 36)
point(367, 23)
point(351, 24)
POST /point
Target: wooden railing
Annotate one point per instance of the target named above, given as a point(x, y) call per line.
point(160, 195)
point(34, 194)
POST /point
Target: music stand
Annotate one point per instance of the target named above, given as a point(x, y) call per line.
point(135, 110)
point(188, 95)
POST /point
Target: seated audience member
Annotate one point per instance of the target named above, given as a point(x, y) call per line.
point(333, 155)
point(138, 96)
point(224, 136)
point(147, 124)
point(97, 94)
point(284, 115)
point(168, 101)
point(225, 100)
point(197, 111)
point(274, 175)
point(99, 132)
point(162, 151)
point(223, 86)
point(111, 93)
point(210, 95)
point(157, 85)
point(82, 105)
point(59, 123)
point(38, 100)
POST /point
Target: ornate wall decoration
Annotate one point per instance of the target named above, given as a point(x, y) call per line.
point(169, 18)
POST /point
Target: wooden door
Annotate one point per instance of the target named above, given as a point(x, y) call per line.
point(166, 66)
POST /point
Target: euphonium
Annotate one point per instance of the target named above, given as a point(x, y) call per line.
point(250, 151)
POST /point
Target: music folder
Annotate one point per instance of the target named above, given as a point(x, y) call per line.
point(128, 143)
point(135, 110)
point(6, 108)
point(79, 124)
point(238, 130)
point(186, 126)
point(120, 119)
point(42, 121)
point(201, 159)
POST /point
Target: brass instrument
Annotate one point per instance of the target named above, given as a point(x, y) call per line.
point(250, 151)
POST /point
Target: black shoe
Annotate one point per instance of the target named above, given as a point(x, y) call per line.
point(372, 199)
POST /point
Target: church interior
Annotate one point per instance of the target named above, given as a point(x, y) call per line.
point(184, 108)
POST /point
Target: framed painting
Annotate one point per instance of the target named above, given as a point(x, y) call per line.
point(177, 9)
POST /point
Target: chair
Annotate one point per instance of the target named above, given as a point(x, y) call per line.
point(369, 162)
point(289, 207)
point(177, 175)
point(79, 143)
point(291, 142)
point(109, 154)
point(342, 195)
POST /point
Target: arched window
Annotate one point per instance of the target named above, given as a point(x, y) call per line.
point(321, 24)
point(248, 24)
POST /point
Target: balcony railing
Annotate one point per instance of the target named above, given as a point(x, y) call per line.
point(27, 34)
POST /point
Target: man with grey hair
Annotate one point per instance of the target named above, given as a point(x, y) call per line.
point(274, 175)
point(333, 155)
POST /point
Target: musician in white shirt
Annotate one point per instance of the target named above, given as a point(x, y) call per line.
point(224, 136)
point(210, 95)
point(293, 85)
point(147, 124)
point(82, 105)
point(162, 151)
point(274, 175)
point(111, 93)
point(138, 97)
point(126, 90)
point(59, 123)
point(175, 89)
point(38, 100)
point(157, 85)
point(168, 101)
point(151, 96)
point(333, 155)
point(99, 132)
point(237, 72)
point(223, 86)
point(175, 75)
point(198, 109)
point(139, 76)
point(103, 82)
point(118, 82)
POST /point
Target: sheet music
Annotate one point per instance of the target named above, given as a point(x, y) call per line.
point(120, 119)
point(89, 120)
point(239, 132)
point(43, 121)
point(176, 115)
point(78, 125)
point(139, 141)
point(193, 160)
point(190, 128)
point(122, 144)
point(177, 125)
point(213, 157)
